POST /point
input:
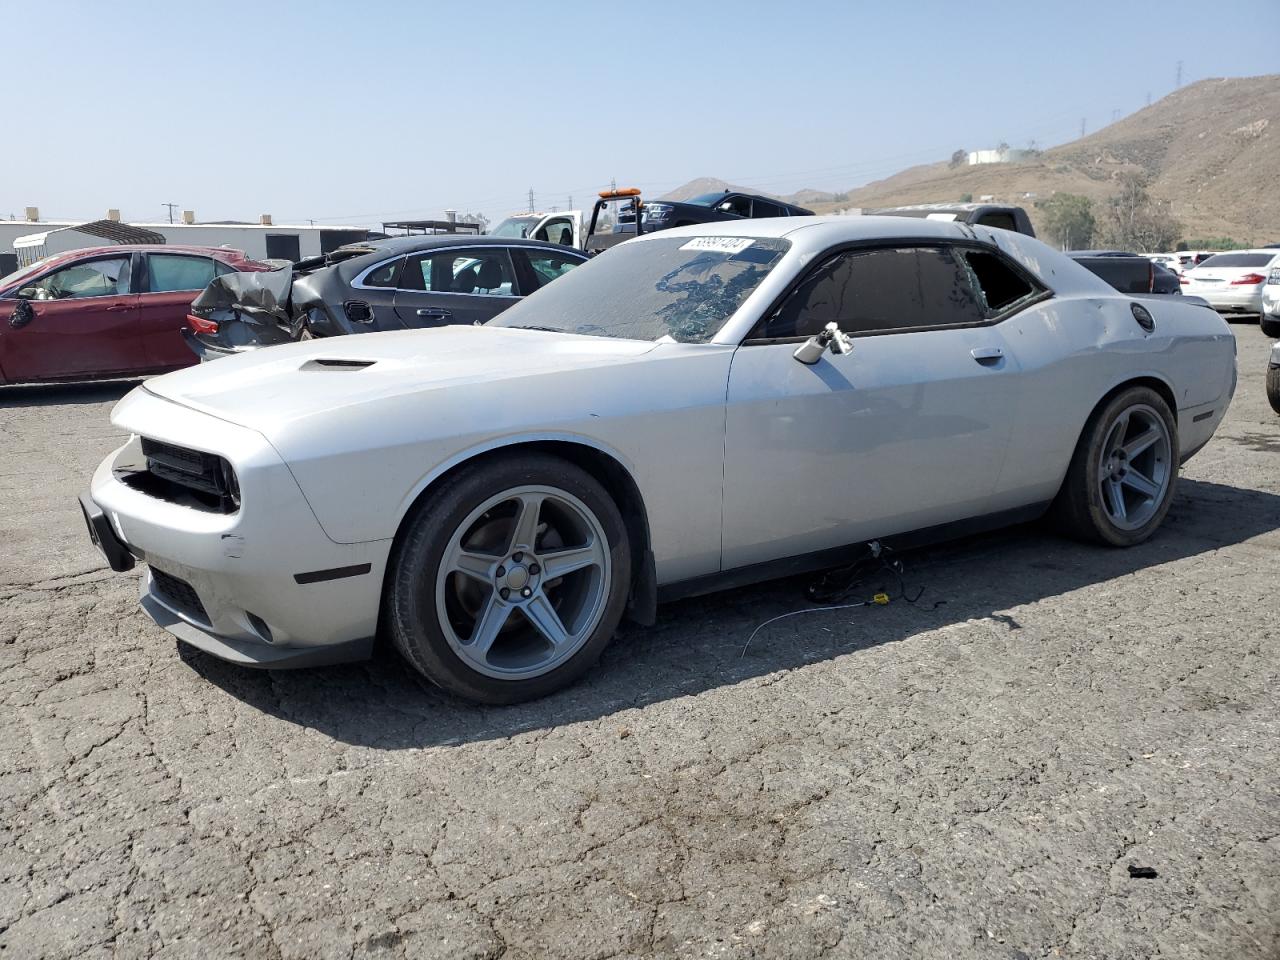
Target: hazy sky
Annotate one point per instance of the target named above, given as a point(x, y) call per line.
point(361, 112)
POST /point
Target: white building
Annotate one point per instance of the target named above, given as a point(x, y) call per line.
point(1007, 155)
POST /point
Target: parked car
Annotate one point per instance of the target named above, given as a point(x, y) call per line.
point(1232, 282)
point(1270, 318)
point(978, 214)
point(709, 208)
point(105, 311)
point(699, 407)
point(1128, 272)
point(394, 284)
point(1273, 377)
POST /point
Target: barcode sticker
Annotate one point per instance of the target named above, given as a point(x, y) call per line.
point(718, 244)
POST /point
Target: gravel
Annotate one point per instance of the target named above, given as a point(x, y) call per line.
point(978, 774)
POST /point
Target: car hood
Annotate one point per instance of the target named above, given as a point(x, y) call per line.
point(269, 388)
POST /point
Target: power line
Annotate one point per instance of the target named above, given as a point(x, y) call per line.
point(171, 208)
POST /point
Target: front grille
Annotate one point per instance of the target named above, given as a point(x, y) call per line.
point(179, 594)
point(207, 476)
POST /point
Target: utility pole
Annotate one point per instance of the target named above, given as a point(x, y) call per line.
point(1148, 98)
point(531, 199)
point(1115, 115)
point(171, 207)
point(570, 207)
point(613, 184)
point(1082, 126)
point(1177, 82)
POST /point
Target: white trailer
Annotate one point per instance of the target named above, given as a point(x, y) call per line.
point(261, 241)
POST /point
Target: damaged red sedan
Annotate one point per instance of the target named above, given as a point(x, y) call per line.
point(101, 312)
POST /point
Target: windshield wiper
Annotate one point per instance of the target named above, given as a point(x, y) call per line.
point(529, 326)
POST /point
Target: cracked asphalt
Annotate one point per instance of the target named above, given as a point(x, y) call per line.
point(969, 776)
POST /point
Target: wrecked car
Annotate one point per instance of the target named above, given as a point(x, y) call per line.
point(701, 407)
point(398, 283)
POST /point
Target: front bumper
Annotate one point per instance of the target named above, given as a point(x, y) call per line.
point(263, 586)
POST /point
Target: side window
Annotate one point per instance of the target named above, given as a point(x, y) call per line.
point(221, 269)
point(763, 208)
point(546, 265)
point(172, 272)
point(1000, 286)
point(96, 278)
point(485, 272)
point(879, 291)
point(385, 275)
point(1003, 221)
point(736, 205)
point(559, 230)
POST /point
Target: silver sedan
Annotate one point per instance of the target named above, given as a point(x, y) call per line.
point(697, 407)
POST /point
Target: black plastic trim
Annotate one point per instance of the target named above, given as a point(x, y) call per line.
point(334, 573)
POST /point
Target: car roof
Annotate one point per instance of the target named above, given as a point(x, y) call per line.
point(412, 244)
point(225, 253)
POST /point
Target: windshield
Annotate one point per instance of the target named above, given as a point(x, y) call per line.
point(1238, 260)
point(684, 288)
point(708, 199)
point(514, 227)
point(23, 272)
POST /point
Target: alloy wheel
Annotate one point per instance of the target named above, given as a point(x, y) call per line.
point(1134, 466)
point(523, 582)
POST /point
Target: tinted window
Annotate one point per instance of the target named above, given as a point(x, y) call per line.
point(867, 291)
point(383, 276)
point(1003, 221)
point(171, 272)
point(762, 208)
point(999, 284)
point(648, 289)
point(547, 266)
point(97, 278)
point(1239, 260)
point(284, 246)
point(485, 272)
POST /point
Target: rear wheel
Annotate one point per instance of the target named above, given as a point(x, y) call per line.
point(1270, 326)
point(1122, 475)
point(511, 579)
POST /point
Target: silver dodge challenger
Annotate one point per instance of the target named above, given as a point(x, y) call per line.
point(699, 407)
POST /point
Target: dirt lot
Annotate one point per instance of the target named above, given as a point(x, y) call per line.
point(969, 776)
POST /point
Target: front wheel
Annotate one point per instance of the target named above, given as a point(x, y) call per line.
point(1273, 388)
point(1270, 326)
point(510, 580)
point(1122, 475)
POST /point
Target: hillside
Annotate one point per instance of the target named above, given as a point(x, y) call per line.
point(1212, 149)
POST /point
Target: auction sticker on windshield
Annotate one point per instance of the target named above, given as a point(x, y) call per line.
point(718, 244)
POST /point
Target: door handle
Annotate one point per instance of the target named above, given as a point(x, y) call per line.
point(435, 313)
point(119, 308)
point(987, 355)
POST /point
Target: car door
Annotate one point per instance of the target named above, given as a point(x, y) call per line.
point(455, 285)
point(169, 284)
point(83, 322)
point(906, 431)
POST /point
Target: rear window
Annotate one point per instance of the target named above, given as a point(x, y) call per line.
point(1239, 260)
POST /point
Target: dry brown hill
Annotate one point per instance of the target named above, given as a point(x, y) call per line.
point(1212, 149)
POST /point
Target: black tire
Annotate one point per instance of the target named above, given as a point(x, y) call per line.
point(1079, 509)
point(1273, 387)
point(412, 618)
point(1270, 327)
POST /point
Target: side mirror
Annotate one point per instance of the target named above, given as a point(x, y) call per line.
point(23, 313)
point(832, 337)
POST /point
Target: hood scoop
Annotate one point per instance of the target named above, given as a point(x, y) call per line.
point(330, 363)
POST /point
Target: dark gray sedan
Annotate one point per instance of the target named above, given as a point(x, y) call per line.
point(393, 284)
